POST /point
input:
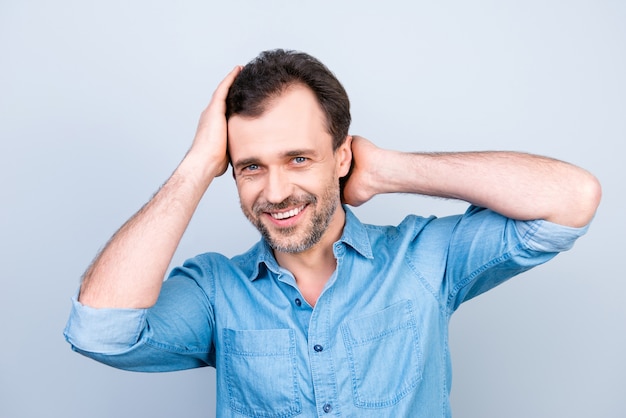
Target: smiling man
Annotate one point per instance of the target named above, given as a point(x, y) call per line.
point(287, 171)
point(325, 315)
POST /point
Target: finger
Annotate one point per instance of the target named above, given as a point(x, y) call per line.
point(222, 89)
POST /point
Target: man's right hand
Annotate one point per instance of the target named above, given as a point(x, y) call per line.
point(210, 139)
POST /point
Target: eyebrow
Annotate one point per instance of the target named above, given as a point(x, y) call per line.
point(288, 154)
point(298, 152)
point(245, 162)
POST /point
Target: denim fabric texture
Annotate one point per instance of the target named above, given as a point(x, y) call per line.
point(374, 345)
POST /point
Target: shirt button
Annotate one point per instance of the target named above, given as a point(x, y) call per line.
point(318, 348)
point(298, 302)
point(327, 408)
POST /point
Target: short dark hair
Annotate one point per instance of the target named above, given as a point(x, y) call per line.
point(271, 72)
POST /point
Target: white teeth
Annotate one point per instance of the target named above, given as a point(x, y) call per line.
point(288, 214)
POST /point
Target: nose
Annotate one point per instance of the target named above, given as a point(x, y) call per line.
point(277, 187)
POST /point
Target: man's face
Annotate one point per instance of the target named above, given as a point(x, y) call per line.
point(287, 173)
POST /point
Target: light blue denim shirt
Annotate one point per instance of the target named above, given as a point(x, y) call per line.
point(374, 345)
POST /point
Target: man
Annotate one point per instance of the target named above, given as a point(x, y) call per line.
point(325, 316)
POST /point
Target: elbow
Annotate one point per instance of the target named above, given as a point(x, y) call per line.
point(578, 202)
point(594, 195)
point(588, 196)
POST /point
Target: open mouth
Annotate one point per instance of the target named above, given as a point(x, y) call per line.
point(287, 214)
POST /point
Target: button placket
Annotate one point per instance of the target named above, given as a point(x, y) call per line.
point(321, 358)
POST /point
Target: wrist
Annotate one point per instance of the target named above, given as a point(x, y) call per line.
point(201, 169)
point(388, 170)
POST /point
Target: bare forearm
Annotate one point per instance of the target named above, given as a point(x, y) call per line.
point(517, 185)
point(129, 272)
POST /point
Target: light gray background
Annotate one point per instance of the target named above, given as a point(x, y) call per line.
point(99, 101)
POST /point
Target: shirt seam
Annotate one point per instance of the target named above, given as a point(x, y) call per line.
point(490, 264)
point(207, 273)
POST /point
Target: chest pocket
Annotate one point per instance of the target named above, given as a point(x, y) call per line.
point(260, 367)
point(384, 355)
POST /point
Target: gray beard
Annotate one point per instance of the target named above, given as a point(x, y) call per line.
point(315, 230)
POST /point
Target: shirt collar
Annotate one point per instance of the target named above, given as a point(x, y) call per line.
point(355, 235)
point(261, 256)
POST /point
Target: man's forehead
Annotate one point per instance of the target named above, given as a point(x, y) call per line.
point(295, 115)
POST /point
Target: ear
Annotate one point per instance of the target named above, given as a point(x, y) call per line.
point(344, 157)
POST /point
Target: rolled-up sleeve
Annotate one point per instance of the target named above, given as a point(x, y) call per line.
point(548, 237)
point(487, 249)
point(174, 334)
point(106, 331)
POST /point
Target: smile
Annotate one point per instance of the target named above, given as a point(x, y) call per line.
point(287, 214)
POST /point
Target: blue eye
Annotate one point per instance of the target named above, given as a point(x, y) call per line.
point(299, 160)
point(251, 167)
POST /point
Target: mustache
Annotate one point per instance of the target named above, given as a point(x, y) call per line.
point(265, 206)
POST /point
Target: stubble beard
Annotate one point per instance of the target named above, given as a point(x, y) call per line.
point(283, 239)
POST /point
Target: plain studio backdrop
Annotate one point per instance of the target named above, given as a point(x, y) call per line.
point(99, 101)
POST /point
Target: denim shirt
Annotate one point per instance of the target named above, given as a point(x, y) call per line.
point(374, 345)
